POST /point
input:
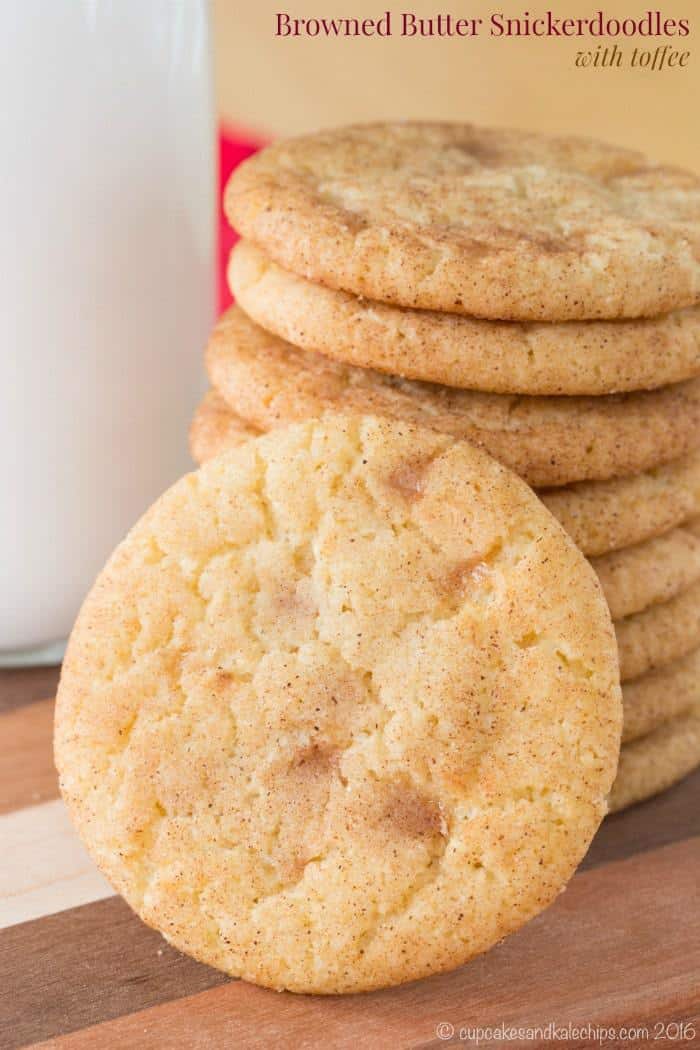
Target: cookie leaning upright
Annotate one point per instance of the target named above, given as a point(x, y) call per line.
point(505, 225)
point(343, 709)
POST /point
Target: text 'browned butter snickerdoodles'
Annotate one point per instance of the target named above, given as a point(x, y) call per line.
point(343, 709)
point(547, 440)
point(504, 225)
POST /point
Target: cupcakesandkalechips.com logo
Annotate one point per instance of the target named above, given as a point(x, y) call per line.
point(567, 1034)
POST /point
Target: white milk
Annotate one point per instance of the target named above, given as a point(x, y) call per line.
point(106, 284)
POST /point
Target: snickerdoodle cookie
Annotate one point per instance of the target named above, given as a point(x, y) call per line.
point(660, 634)
point(660, 695)
point(546, 440)
point(650, 573)
point(588, 357)
point(657, 761)
point(604, 516)
point(215, 429)
point(343, 708)
point(486, 222)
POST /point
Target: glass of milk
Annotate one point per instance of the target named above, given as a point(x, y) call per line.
point(106, 287)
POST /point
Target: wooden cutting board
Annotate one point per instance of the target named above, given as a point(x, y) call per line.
point(619, 949)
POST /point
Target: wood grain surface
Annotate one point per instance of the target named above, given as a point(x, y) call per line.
point(620, 948)
point(27, 774)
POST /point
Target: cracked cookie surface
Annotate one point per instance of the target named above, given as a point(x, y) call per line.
point(600, 516)
point(546, 440)
point(506, 357)
point(479, 221)
point(633, 578)
point(343, 709)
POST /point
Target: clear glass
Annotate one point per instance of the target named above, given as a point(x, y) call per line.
point(106, 286)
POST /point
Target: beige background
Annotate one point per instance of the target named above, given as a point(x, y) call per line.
point(277, 86)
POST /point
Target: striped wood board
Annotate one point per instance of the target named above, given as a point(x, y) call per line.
point(78, 969)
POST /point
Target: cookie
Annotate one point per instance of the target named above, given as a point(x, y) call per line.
point(599, 357)
point(659, 696)
point(653, 572)
point(633, 579)
point(657, 761)
point(342, 710)
point(600, 516)
point(603, 516)
point(659, 635)
point(486, 222)
point(693, 526)
point(216, 429)
point(546, 440)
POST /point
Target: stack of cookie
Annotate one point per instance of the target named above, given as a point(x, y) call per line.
point(535, 296)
